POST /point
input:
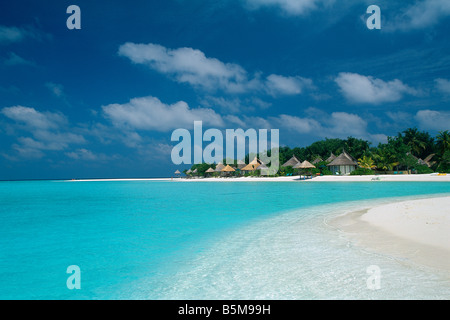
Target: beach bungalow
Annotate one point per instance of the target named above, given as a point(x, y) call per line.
point(293, 161)
point(331, 158)
point(219, 167)
point(344, 164)
point(304, 166)
point(240, 164)
point(227, 170)
point(210, 171)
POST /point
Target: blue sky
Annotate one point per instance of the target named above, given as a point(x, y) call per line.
point(103, 101)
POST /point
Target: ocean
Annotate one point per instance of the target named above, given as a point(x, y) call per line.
point(200, 240)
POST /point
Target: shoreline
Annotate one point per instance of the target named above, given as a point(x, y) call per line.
point(373, 178)
point(412, 231)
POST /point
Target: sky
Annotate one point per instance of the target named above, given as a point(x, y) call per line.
point(103, 101)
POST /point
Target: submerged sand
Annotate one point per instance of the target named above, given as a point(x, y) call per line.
point(414, 231)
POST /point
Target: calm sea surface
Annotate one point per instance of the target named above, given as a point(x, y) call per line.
point(199, 240)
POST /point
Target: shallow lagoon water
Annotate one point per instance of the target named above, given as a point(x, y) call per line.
point(199, 240)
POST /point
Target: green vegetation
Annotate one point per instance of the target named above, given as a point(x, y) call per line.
point(411, 150)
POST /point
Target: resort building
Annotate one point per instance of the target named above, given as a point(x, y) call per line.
point(331, 158)
point(291, 162)
point(344, 164)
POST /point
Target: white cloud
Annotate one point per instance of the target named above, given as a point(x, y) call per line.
point(433, 120)
point(277, 84)
point(49, 131)
point(296, 124)
point(366, 89)
point(35, 119)
point(187, 65)
point(149, 113)
point(421, 14)
point(343, 124)
point(289, 7)
point(443, 85)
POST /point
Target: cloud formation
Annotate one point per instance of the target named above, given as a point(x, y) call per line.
point(149, 113)
point(443, 85)
point(366, 89)
point(289, 7)
point(421, 14)
point(192, 66)
point(433, 120)
point(49, 131)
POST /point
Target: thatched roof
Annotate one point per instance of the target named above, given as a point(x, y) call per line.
point(219, 167)
point(189, 171)
point(344, 159)
point(240, 164)
point(210, 170)
point(250, 167)
point(331, 157)
point(195, 170)
point(304, 165)
point(291, 162)
point(177, 172)
point(228, 169)
point(256, 161)
point(317, 160)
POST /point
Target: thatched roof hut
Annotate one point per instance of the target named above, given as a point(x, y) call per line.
point(317, 160)
point(256, 161)
point(291, 162)
point(189, 171)
point(240, 164)
point(304, 165)
point(250, 167)
point(228, 168)
point(177, 172)
point(343, 164)
point(210, 170)
point(331, 157)
point(219, 167)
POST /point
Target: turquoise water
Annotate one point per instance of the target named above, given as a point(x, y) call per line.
point(195, 240)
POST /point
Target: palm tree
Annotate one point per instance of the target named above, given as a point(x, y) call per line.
point(412, 139)
point(385, 161)
point(367, 163)
point(443, 141)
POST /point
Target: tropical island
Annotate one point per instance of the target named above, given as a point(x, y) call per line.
point(409, 152)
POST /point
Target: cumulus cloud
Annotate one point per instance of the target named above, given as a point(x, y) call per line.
point(433, 120)
point(33, 119)
point(187, 65)
point(149, 113)
point(366, 89)
point(289, 7)
point(421, 14)
point(49, 131)
point(277, 84)
point(443, 85)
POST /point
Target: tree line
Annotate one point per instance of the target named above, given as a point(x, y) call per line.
point(410, 149)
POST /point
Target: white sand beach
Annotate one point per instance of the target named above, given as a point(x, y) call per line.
point(414, 231)
point(375, 178)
